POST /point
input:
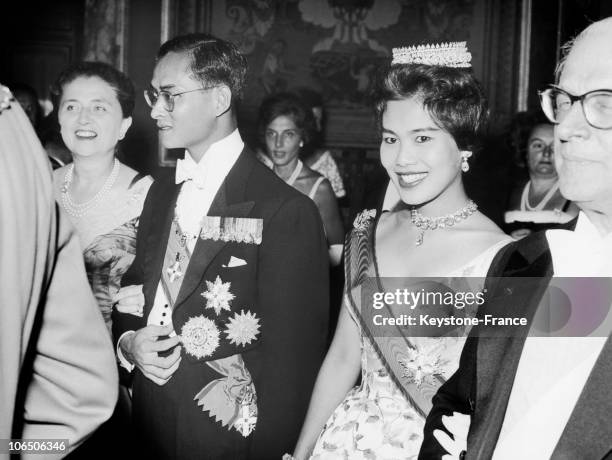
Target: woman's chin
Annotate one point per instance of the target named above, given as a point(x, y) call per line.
point(90, 153)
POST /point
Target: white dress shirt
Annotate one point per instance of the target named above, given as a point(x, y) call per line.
point(552, 371)
point(192, 205)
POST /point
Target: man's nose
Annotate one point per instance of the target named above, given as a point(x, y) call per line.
point(574, 124)
point(157, 109)
point(278, 141)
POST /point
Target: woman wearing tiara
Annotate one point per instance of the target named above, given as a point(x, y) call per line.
point(431, 112)
point(102, 197)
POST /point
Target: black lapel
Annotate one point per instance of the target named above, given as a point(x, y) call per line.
point(228, 202)
point(588, 433)
point(157, 239)
point(498, 356)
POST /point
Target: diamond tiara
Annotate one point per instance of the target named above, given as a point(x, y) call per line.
point(453, 54)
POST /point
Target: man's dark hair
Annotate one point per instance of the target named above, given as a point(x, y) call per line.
point(213, 61)
point(452, 96)
point(123, 86)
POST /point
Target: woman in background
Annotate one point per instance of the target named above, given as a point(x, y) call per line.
point(102, 197)
point(431, 112)
point(537, 204)
point(285, 125)
point(315, 157)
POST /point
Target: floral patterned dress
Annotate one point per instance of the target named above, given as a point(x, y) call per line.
point(377, 419)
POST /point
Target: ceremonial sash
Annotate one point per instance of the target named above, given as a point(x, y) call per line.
point(230, 400)
point(176, 261)
point(389, 349)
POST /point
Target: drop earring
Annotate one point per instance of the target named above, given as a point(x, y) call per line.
point(465, 166)
point(301, 143)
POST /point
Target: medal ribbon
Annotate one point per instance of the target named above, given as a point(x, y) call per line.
point(176, 261)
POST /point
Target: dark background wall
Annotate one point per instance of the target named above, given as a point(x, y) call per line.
point(39, 39)
point(143, 40)
point(553, 23)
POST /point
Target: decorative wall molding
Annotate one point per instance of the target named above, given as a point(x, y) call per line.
point(336, 52)
point(524, 56)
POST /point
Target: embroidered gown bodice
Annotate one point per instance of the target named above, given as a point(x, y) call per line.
point(376, 420)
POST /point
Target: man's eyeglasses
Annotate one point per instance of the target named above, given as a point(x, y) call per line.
point(152, 96)
point(596, 106)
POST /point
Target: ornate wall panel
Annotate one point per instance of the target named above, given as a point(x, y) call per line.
point(105, 31)
point(335, 46)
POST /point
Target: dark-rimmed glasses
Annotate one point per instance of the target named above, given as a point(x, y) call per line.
point(151, 95)
point(596, 106)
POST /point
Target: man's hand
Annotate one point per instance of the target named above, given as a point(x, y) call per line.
point(142, 346)
point(458, 425)
point(130, 299)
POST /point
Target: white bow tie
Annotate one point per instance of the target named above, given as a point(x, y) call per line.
point(188, 170)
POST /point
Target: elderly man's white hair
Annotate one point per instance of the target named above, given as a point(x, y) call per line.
point(599, 27)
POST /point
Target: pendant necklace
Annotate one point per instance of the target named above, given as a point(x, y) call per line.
point(424, 223)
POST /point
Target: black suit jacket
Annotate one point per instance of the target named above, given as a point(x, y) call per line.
point(482, 385)
point(285, 283)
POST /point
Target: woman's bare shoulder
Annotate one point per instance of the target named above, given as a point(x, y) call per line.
point(309, 174)
point(482, 232)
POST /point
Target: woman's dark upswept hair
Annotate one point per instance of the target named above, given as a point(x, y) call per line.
point(452, 96)
point(288, 105)
point(213, 61)
point(121, 84)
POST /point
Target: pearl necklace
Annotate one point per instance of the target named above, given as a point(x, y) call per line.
point(78, 210)
point(525, 206)
point(425, 223)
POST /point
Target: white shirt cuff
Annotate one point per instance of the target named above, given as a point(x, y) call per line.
point(122, 359)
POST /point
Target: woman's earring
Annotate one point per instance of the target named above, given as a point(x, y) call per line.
point(301, 143)
point(465, 166)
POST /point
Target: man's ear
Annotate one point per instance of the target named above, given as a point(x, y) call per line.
point(222, 99)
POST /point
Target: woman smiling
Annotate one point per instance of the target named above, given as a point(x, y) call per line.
point(102, 196)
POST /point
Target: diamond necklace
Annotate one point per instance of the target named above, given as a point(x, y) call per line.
point(78, 210)
point(424, 223)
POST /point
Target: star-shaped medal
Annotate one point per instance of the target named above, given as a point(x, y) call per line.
point(218, 295)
